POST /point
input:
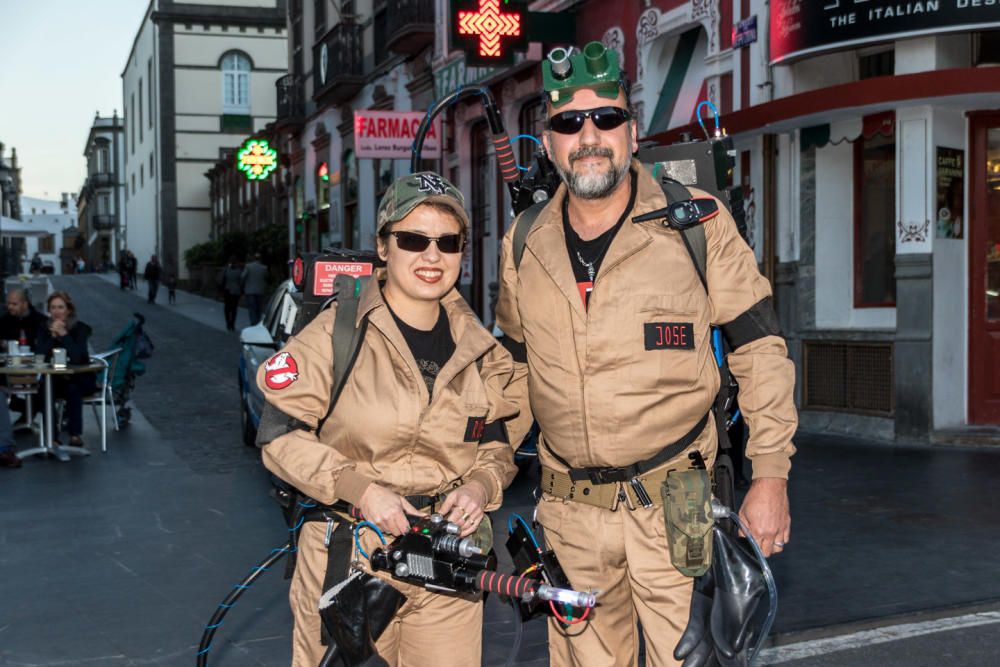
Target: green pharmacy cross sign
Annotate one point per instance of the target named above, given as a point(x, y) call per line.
point(256, 159)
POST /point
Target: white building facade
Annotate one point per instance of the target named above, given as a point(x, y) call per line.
point(46, 219)
point(101, 202)
point(199, 79)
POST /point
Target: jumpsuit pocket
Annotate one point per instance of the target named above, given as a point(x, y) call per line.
point(666, 341)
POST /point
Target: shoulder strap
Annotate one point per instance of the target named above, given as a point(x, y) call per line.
point(346, 337)
point(694, 237)
point(522, 226)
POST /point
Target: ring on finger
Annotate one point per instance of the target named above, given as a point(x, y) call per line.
point(780, 545)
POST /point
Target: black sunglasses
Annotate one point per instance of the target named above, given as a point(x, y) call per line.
point(413, 242)
point(604, 118)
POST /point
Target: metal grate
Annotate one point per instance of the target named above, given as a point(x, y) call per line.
point(849, 377)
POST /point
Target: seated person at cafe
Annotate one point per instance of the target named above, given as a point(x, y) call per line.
point(64, 330)
point(20, 322)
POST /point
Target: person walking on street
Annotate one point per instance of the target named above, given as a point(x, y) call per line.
point(230, 282)
point(152, 277)
point(123, 272)
point(610, 319)
point(171, 285)
point(132, 267)
point(254, 281)
point(36, 263)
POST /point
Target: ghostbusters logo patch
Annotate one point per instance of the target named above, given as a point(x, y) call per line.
point(474, 429)
point(431, 183)
point(280, 371)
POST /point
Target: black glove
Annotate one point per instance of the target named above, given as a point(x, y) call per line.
point(739, 587)
point(356, 612)
point(695, 647)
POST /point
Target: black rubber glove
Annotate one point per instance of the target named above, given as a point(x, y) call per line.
point(356, 613)
point(696, 647)
point(739, 588)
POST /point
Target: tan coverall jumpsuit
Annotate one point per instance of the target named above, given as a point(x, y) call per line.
point(383, 430)
point(602, 398)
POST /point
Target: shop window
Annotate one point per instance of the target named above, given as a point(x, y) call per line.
point(349, 194)
point(531, 121)
point(874, 226)
point(235, 83)
point(986, 47)
point(877, 64)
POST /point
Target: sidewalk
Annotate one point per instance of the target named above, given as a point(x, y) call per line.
point(193, 306)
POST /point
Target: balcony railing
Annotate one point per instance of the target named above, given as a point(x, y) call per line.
point(338, 74)
point(102, 221)
point(410, 25)
point(291, 101)
point(101, 180)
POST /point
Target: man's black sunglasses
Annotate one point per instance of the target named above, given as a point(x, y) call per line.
point(414, 242)
point(604, 118)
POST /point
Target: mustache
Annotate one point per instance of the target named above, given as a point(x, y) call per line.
point(591, 151)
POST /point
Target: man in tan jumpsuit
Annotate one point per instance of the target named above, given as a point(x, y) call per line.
point(614, 323)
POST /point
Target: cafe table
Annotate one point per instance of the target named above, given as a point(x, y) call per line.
point(48, 371)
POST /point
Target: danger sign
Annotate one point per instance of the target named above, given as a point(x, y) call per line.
point(390, 134)
point(324, 274)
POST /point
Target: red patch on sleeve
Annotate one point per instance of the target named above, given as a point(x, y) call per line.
point(280, 371)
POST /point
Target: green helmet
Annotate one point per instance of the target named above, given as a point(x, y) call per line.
point(595, 67)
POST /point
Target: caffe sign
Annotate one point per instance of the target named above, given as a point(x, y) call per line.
point(804, 27)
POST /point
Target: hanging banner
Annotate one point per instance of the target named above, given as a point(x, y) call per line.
point(801, 27)
point(389, 134)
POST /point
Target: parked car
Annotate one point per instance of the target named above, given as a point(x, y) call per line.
point(258, 343)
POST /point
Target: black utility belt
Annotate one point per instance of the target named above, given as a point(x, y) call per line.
point(316, 511)
point(612, 475)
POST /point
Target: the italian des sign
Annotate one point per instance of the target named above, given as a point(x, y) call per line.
point(390, 134)
point(802, 27)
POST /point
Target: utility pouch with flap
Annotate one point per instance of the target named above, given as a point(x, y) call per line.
point(687, 496)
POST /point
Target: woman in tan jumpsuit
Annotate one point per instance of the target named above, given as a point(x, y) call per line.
point(421, 414)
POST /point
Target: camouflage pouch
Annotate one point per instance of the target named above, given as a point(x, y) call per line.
point(687, 496)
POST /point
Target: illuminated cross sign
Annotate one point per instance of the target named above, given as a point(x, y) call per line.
point(256, 159)
point(489, 31)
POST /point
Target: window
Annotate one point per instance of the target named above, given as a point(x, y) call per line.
point(138, 120)
point(47, 244)
point(319, 17)
point(103, 164)
point(383, 178)
point(150, 165)
point(380, 29)
point(142, 175)
point(874, 226)
point(131, 122)
point(235, 83)
point(986, 47)
point(349, 183)
point(149, 80)
point(133, 185)
point(877, 64)
point(104, 205)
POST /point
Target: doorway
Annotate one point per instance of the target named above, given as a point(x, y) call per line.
point(984, 266)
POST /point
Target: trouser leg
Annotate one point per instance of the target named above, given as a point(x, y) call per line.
point(589, 543)
point(434, 629)
point(304, 594)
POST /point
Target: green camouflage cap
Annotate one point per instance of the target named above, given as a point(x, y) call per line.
point(423, 187)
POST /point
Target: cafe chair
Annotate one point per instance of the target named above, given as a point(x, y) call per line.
point(104, 396)
point(26, 387)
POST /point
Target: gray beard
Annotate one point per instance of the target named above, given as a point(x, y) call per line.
point(594, 185)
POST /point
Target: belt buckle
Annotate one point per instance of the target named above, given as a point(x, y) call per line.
point(606, 475)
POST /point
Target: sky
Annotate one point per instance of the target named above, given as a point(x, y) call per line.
point(61, 62)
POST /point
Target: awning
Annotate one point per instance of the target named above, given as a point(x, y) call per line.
point(817, 136)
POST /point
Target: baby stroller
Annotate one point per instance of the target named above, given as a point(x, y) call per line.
point(135, 345)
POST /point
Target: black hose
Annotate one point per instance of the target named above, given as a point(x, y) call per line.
point(206, 638)
point(518, 634)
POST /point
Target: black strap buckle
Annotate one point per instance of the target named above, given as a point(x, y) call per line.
point(602, 475)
